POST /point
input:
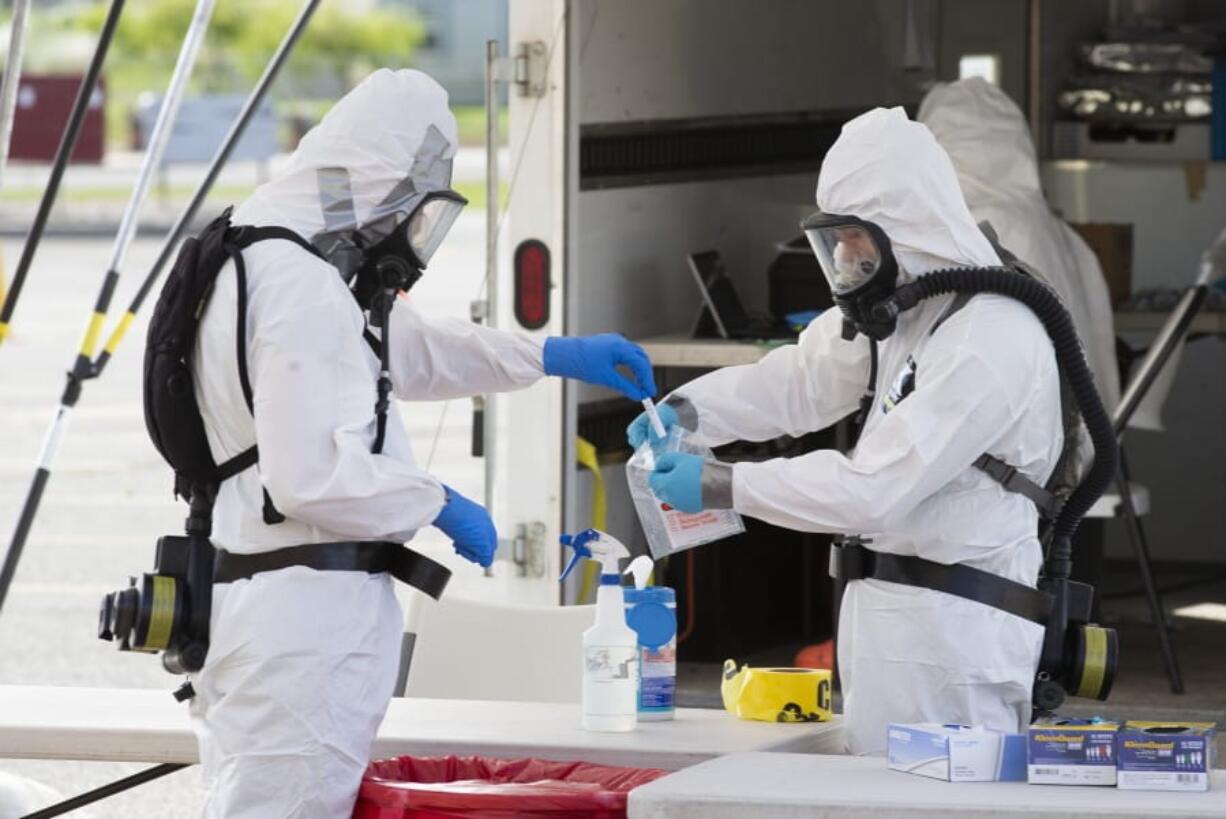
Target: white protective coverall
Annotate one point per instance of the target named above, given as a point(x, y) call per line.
point(302, 663)
point(988, 140)
point(984, 381)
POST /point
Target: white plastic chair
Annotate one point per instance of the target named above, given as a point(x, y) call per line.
point(465, 649)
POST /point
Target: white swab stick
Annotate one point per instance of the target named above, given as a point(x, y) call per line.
point(657, 426)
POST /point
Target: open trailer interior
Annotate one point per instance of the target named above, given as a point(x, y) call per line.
point(664, 130)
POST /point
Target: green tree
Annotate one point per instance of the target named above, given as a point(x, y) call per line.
point(345, 40)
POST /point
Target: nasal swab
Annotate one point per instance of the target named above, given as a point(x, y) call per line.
point(657, 426)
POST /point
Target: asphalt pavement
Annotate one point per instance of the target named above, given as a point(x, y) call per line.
point(109, 497)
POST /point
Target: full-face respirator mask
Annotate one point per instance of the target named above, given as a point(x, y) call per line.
point(395, 250)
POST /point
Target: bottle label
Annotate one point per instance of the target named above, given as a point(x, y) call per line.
point(610, 664)
point(658, 689)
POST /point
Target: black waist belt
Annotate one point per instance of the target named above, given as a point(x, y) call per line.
point(399, 561)
point(855, 562)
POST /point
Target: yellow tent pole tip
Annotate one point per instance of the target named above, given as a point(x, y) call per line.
point(120, 331)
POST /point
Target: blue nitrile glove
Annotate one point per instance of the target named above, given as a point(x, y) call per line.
point(640, 428)
point(594, 359)
point(677, 480)
point(469, 527)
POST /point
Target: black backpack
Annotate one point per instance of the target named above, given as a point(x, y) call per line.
point(172, 415)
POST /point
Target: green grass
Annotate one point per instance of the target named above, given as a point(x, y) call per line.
point(470, 124)
point(474, 192)
point(124, 86)
point(119, 195)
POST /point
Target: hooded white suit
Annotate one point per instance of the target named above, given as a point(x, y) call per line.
point(988, 141)
point(984, 381)
point(302, 663)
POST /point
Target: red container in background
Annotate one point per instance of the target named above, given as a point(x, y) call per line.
point(471, 787)
point(43, 105)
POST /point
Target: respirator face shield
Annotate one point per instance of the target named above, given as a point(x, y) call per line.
point(859, 265)
point(396, 248)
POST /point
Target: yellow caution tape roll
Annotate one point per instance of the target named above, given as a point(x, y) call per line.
point(777, 694)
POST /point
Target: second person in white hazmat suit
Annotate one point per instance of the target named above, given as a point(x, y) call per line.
point(302, 663)
point(988, 141)
point(982, 380)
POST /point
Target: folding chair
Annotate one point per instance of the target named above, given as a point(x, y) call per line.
point(1131, 501)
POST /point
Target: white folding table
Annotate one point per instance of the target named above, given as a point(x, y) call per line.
point(789, 786)
point(147, 725)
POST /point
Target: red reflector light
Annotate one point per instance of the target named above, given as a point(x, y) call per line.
point(532, 284)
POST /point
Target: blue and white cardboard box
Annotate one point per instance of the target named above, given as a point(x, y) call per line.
point(956, 753)
point(1072, 752)
point(1165, 756)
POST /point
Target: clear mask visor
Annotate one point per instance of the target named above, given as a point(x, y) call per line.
point(431, 221)
point(847, 253)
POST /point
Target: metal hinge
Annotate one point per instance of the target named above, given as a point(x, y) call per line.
point(526, 70)
point(528, 549)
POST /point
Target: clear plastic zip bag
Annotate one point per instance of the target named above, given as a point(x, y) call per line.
point(670, 530)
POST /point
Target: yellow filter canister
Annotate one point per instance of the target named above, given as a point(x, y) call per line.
point(777, 694)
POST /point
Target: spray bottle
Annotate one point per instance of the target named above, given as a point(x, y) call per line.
point(610, 647)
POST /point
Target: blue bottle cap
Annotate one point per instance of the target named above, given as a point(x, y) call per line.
point(654, 623)
point(652, 594)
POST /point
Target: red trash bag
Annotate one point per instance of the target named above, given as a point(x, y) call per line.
point(471, 787)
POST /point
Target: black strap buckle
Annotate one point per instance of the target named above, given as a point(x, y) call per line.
point(851, 560)
point(1012, 480)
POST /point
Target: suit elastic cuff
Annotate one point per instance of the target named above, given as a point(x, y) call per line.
point(716, 485)
point(687, 413)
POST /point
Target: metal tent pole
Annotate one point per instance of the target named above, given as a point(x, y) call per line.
point(67, 142)
point(170, 244)
point(82, 367)
point(12, 79)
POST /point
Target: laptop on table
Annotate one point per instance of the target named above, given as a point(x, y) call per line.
point(723, 314)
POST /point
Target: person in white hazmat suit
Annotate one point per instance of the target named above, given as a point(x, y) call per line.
point(988, 141)
point(950, 387)
point(302, 663)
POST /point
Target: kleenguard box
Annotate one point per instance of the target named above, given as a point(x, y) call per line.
point(1071, 752)
point(1165, 756)
point(956, 753)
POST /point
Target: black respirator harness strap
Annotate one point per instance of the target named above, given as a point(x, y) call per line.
point(853, 561)
point(241, 238)
point(1013, 481)
point(401, 562)
point(1047, 502)
point(244, 460)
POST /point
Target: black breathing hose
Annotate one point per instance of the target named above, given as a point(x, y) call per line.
point(1070, 357)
